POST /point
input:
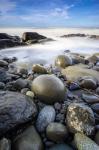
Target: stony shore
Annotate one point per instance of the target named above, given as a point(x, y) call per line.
point(54, 108)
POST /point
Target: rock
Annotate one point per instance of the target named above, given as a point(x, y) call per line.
point(74, 35)
point(3, 63)
point(96, 68)
point(20, 84)
point(12, 69)
point(32, 36)
point(5, 144)
point(90, 98)
point(97, 137)
point(63, 61)
point(78, 59)
point(84, 143)
point(3, 76)
point(22, 71)
point(28, 140)
point(30, 94)
point(80, 118)
point(74, 86)
point(15, 109)
point(57, 106)
point(56, 132)
point(88, 82)
point(97, 90)
point(24, 90)
point(61, 147)
point(46, 116)
point(95, 107)
point(48, 88)
point(93, 58)
point(75, 72)
point(39, 69)
point(2, 85)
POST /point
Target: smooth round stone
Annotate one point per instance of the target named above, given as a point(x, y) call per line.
point(88, 83)
point(97, 137)
point(22, 71)
point(63, 61)
point(5, 144)
point(83, 142)
point(28, 140)
point(80, 118)
point(3, 63)
point(20, 84)
point(46, 116)
point(39, 69)
point(61, 147)
point(97, 90)
point(95, 107)
point(30, 94)
point(56, 132)
point(90, 99)
point(48, 88)
point(93, 59)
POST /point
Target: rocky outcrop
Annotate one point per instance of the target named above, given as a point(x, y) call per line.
point(15, 109)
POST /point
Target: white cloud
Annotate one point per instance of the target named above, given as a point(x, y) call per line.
point(6, 6)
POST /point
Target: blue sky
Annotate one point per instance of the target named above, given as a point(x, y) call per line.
point(49, 13)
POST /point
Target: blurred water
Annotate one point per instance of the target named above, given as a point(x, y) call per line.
point(45, 53)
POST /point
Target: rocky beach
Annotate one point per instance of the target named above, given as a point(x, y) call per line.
point(50, 105)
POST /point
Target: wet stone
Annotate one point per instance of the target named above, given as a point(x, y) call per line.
point(95, 107)
point(90, 98)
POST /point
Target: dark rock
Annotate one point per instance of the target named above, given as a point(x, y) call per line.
point(20, 84)
point(2, 85)
point(28, 140)
point(74, 86)
point(56, 132)
point(48, 88)
point(80, 118)
point(3, 63)
point(32, 36)
point(46, 116)
point(97, 90)
point(95, 107)
point(90, 98)
point(97, 137)
point(57, 106)
point(3, 76)
point(5, 144)
point(74, 35)
point(15, 109)
point(61, 147)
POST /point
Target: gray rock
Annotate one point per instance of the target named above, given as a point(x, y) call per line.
point(3, 63)
point(28, 140)
point(5, 144)
point(82, 142)
point(48, 88)
point(56, 132)
point(15, 109)
point(20, 84)
point(46, 116)
point(61, 147)
point(2, 85)
point(95, 107)
point(90, 98)
point(80, 118)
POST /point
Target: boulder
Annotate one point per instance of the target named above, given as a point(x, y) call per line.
point(80, 118)
point(82, 142)
point(15, 109)
point(48, 88)
point(77, 71)
point(56, 132)
point(32, 36)
point(28, 140)
point(46, 116)
point(63, 61)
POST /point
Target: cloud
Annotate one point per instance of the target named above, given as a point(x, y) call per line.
point(6, 6)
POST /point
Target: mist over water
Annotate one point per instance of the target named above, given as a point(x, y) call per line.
point(46, 52)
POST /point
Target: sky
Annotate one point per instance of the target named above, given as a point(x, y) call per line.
point(49, 13)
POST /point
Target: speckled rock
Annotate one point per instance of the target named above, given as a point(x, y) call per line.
point(61, 147)
point(39, 69)
point(46, 116)
point(48, 88)
point(28, 140)
point(80, 118)
point(90, 98)
point(84, 143)
point(56, 132)
point(63, 61)
point(5, 144)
